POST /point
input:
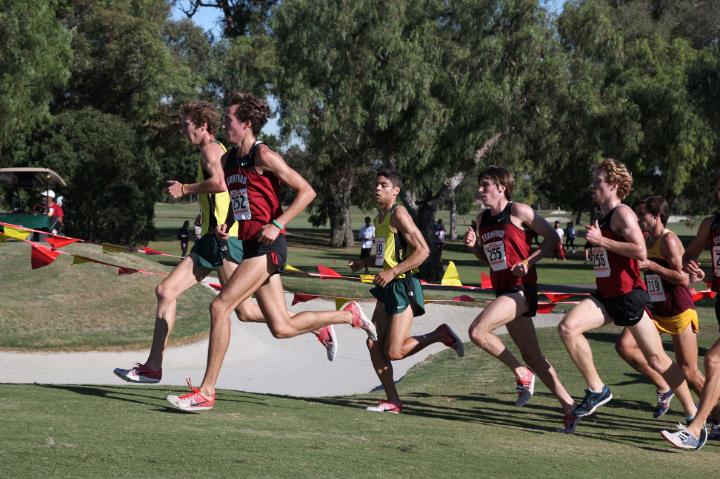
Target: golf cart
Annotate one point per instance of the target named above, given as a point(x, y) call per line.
point(20, 186)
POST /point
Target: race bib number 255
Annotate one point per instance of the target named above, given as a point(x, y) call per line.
point(495, 253)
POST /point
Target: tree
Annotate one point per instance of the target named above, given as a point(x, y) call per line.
point(111, 187)
point(35, 57)
point(355, 80)
point(122, 64)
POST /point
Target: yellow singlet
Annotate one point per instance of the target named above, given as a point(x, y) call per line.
point(217, 202)
point(390, 246)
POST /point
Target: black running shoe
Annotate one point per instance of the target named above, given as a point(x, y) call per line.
point(592, 401)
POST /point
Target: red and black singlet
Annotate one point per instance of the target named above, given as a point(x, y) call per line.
point(615, 275)
point(505, 245)
point(254, 197)
point(715, 252)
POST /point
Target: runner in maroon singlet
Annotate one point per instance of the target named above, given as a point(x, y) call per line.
point(708, 235)
point(253, 173)
point(673, 310)
point(620, 297)
point(503, 242)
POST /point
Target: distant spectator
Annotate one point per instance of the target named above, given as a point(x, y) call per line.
point(559, 251)
point(570, 235)
point(366, 238)
point(183, 235)
point(588, 251)
point(54, 211)
point(198, 227)
point(439, 237)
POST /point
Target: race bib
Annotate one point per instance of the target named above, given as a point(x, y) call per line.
point(601, 263)
point(716, 260)
point(379, 251)
point(655, 288)
point(240, 204)
point(495, 253)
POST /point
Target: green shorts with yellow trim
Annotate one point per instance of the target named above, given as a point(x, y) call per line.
point(400, 294)
point(210, 251)
point(677, 324)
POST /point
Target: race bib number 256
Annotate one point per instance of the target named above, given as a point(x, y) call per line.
point(601, 262)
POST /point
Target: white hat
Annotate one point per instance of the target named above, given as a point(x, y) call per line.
point(49, 193)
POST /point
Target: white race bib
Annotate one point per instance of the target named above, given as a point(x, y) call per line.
point(716, 260)
point(655, 288)
point(379, 251)
point(601, 263)
point(495, 253)
point(240, 204)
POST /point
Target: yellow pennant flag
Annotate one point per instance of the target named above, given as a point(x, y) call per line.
point(339, 302)
point(15, 233)
point(367, 278)
point(451, 278)
point(81, 260)
point(111, 248)
point(289, 267)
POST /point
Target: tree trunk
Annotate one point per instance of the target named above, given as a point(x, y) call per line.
point(453, 217)
point(341, 233)
point(423, 209)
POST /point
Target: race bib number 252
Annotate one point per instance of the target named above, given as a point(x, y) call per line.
point(240, 204)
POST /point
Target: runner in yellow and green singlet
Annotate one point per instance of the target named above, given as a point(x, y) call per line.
point(400, 250)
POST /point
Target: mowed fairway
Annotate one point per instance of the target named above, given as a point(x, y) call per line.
point(460, 421)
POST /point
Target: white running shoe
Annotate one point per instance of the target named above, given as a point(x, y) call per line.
point(139, 374)
point(386, 406)
point(327, 338)
point(684, 440)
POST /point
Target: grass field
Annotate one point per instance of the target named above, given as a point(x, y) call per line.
point(87, 306)
point(459, 421)
point(459, 418)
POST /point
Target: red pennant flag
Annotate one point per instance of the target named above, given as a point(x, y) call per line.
point(557, 297)
point(123, 270)
point(485, 282)
point(700, 295)
point(463, 298)
point(42, 256)
point(215, 286)
point(58, 242)
point(545, 308)
point(302, 297)
point(150, 251)
point(325, 271)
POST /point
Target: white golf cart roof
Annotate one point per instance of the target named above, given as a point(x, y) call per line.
point(26, 177)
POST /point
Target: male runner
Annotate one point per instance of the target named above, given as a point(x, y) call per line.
point(200, 122)
point(400, 250)
point(695, 435)
point(620, 297)
point(673, 309)
point(253, 173)
point(502, 241)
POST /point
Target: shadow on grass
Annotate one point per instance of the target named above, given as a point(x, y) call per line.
point(611, 424)
point(612, 337)
point(142, 395)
